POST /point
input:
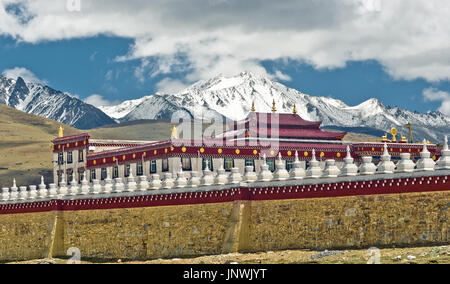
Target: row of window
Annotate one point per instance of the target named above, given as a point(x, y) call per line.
point(185, 162)
point(70, 157)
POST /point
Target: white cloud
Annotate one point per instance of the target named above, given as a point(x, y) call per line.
point(411, 39)
point(26, 74)
point(432, 94)
point(98, 101)
point(170, 86)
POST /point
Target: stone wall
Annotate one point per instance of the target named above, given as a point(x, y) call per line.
point(248, 226)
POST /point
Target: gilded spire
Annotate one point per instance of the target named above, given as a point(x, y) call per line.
point(60, 132)
point(294, 111)
point(274, 108)
point(174, 132)
point(253, 106)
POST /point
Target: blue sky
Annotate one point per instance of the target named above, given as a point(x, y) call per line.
point(351, 52)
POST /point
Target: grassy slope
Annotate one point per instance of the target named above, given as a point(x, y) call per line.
point(25, 152)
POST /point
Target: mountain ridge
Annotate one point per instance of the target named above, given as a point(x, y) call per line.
point(46, 102)
point(232, 97)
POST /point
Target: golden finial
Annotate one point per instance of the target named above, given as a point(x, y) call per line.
point(274, 108)
point(253, 106)
point(294, 111)
point(394, 133)
point(384, 138)
point(60, 132)
point(174, 132)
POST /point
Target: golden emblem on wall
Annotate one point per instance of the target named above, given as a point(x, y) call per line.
point(202, 150)
point(338, 155)
point(255, 152)
point(289, 153)
point(155, 152)
point(306, 154)
point(238, 151)
point(220, 151)
point(183, 149)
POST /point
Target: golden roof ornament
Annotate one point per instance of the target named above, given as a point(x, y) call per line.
point(274, 108)
point(253, 106)
point(394, 133)
point(294, 111)
point(60, 132)
point(174, 132)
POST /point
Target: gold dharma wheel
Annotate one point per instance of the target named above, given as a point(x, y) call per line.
point(394, 132)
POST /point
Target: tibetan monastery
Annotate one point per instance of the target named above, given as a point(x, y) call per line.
point(246, 143)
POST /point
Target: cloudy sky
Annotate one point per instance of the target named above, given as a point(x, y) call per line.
point(107, 51)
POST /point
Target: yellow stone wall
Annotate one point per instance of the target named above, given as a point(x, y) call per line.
point(189, 230)
point(26, 236)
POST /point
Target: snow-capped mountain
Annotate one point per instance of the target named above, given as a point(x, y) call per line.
point(47, 102)
point(121, 110)
point(232, 97)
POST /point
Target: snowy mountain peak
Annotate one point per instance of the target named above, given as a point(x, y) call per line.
point(232, 97)
point(47, 102)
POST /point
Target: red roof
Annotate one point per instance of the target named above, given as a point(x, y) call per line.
point(297, 133)
point(70, 138)
point(282, 119)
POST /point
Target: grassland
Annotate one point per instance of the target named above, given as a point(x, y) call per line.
point(25, 152)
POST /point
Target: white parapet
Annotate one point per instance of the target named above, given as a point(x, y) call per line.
point(386, 166)
point(222, 176)
point(108, 185)
point(156, 182)
point(208, 178)
point(5, 194)
point(168, 181)
point(314, 170)
point(405, 165)
point(444, 161)
point(297, 172)
point(96, 187)
point(281, 173)
point(235, 176)
point(62, 190)
point(425, 163)
point(181, 180)
point(331, 170)
point(118, 185)
point(14, 194)
point(250, 175)
point(131, 185)
point(85, 187)
point(265, 174)
point(33, 192)
point(74, 188)
point(349, 168)
point(143, 183)
point(195, 180)
point(23, 193)
point(52, 191)
point(367, 167)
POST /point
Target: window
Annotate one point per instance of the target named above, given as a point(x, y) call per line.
point(139, 169)
point(153, 167)
point(69, 177)
point(80, 175)
point(209, 162)
point(250, 163)
point(80, 156)
point(69, 158)
point(289, 164)
point(104, 174)
point(228, 164)
point(59, 177)
point(60, 158)
point(186, 164)
point(165, 165)
point(93, 175)
point(127, 170)
point(271, 164)
point(116, 172)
